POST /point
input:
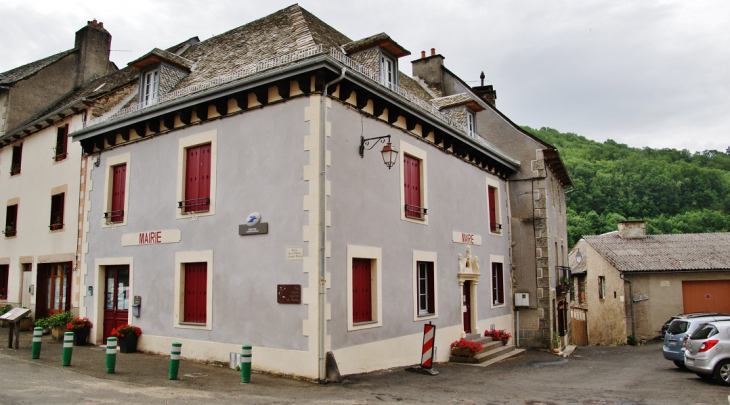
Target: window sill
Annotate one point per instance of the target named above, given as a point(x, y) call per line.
point(192, 324)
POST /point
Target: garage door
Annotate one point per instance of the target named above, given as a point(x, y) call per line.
point(706, 296)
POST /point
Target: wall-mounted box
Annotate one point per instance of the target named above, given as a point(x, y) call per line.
point(522, 299)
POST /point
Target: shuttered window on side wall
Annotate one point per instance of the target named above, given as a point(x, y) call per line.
point(119, 180)
point(361, 291)
point(196, 293)
point(197, 178)
point(412, 186)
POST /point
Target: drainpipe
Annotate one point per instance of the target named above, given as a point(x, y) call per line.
point(322, 224)
point(631, 297)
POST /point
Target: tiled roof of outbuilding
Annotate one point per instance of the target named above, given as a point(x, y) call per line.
point(684, 252)
point(22, 72)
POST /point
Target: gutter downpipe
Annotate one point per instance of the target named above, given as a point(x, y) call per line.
point(631, 297)
point(323, 225)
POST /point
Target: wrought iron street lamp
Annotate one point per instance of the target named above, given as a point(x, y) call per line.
point(389, 153)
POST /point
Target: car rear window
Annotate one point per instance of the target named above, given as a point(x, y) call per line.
point(704, 332)
point(678, 327)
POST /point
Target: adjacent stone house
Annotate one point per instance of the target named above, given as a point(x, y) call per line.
point(633, 282)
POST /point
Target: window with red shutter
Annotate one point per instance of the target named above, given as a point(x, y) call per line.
point(11, 220)
point(362, 303)
point(17, 159)
point(197, 179)
point(497, 284)
point(412, 186)
point(195, 294)
point(61, 142)
point(119, 180)
point(57, 202)
point(494, 225)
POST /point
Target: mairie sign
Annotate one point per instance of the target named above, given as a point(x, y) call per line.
point(151, 237)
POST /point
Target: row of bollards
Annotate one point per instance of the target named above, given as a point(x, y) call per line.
point(111, 355)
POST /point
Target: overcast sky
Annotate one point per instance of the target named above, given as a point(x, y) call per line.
point(644, 73)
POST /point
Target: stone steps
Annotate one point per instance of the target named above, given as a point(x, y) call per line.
point(491, 352)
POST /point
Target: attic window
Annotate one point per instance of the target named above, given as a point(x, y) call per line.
point(389, 71)
point(471, 123)
point(150, 85)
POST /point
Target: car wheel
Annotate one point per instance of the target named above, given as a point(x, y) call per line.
point(706, 377)
point(680, 364)
point(722, 372)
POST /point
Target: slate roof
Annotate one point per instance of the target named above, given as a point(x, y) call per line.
point(281, 33)
point(19, 73)
point(381, 39)
point(685, 252)
point(168, 56)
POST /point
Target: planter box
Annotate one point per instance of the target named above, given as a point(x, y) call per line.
point(57, 332)
point(128, 344)
point(463, 352)
point(81, 337)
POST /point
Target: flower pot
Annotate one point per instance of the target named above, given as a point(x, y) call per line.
point(462, 351)
point(81, 337)
point(128, 344)
point(57, 332)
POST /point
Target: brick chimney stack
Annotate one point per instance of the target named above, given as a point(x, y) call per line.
point(92, 44)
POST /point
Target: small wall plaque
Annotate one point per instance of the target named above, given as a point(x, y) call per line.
point(258, 229)
point(289, 294)
point(294, 253)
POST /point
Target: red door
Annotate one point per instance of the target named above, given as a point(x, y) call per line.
point(467, 306)
point(196, 293)
point(116, 307)
point(362, 302)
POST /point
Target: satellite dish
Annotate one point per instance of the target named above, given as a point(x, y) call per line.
point(253, 219)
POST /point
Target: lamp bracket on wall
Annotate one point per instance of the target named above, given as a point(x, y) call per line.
point(389, 153)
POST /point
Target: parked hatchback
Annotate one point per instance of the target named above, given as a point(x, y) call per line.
point(708, 352)
point(665, 327)
point(678, 330)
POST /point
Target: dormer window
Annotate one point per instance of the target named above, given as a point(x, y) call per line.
point(471, 123)
point(150, 85)
point(389, 71)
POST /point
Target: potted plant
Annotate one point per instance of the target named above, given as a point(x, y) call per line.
point(9, 230)
point(127, 336)
point(556, 342)
point(58, 323)
point(463, 347)
point(43, 323)
point(80, 327)
point(499, 334)
point(3, 310)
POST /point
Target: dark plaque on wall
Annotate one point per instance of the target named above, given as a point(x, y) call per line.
point(289, 294)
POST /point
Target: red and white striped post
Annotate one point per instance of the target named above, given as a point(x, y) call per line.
point(429, 333)
point(427, 352)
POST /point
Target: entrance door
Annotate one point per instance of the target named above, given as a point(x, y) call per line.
point(467, 306)
point(54, 289)
point(25, 288)
point(116, 302)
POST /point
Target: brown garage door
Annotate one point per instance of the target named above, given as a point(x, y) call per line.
point(706, 296)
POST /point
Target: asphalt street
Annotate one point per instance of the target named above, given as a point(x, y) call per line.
point(615, 375)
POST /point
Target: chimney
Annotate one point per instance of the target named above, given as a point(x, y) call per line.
point(487, 93)
point(92, 44)
point(632, 230)
point(428, 69)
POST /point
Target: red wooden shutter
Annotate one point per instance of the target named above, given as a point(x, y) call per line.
point(412, 185)
point(197, 174)
point(431, 289)
point(118, 189)
point(196, 288)
point(492, 209)
point(361, 291)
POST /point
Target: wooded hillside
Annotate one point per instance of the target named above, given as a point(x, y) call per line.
point(675, 191)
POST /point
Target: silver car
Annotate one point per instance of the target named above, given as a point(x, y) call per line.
point(679, 329)
point(708, 352)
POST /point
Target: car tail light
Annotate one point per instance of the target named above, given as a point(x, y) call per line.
point(707, 345)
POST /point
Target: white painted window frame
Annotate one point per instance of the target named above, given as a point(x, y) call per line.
point(491, 182)
point(149, 87)
point(423, 256)
point(497, 259)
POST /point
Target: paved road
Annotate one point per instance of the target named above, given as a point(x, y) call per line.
point(620, 375)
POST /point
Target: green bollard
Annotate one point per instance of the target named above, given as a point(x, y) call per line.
point(175, 360)
point(68, 347)
point(111, 354)
point(35, 347)
point(246, 365)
